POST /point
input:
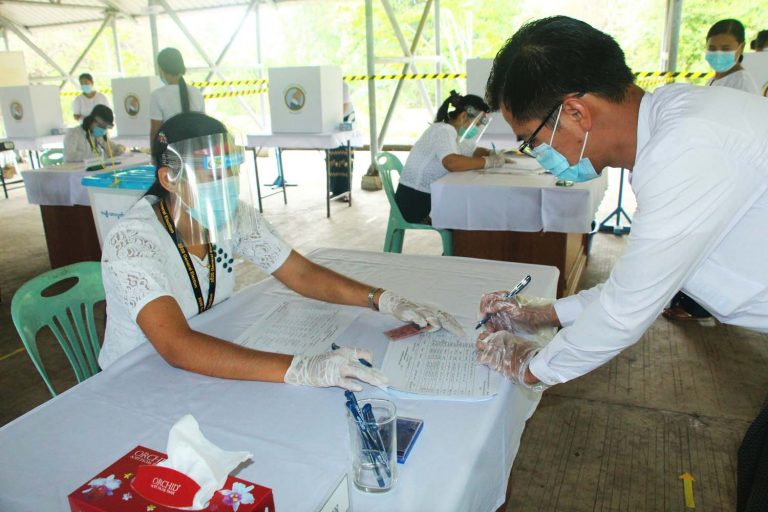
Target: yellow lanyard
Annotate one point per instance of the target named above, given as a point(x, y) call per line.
point(98, 153)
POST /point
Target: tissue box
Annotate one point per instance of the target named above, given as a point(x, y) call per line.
point(112, 490)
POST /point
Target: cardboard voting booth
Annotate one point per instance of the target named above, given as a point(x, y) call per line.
point(307, 99)
point(130, 97)
point(757, 65)
point(31, 110)
point(478, 71)
point(14, 69)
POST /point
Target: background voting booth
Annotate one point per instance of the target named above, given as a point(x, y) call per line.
point(498, 130)
point(757, 65)
point(130, 102)
point(306, 109)
point(298, 435)
point(517, 213)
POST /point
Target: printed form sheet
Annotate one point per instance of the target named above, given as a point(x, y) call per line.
point(298, 327)
point(439, 364)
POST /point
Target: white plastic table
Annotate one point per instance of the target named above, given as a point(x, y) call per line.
point(298, 435)
point(322, 141)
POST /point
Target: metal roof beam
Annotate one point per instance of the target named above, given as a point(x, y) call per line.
point(15, 29)
point(233, 37)
point(29, 3)
point(106, 22)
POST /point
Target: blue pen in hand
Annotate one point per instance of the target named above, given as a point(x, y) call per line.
point(362, 361)
point(514, 291)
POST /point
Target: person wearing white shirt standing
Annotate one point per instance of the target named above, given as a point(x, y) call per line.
point(699, 166)
point(725, 52)
point(171, 258)
point(83, 104)
point(448, 145)
point(175, 96)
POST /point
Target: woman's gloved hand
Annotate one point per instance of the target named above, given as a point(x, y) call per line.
point(407, 311)
point(338, 368)
point(518, 314)
point(509, 355)
point(493, 160)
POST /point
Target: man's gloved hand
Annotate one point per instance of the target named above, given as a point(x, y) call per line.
point(518, 314)
point(337, 368)
point(509, 355)
point(407, 311)
point(493, 160)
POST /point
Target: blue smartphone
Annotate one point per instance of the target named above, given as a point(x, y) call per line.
point(408, 430)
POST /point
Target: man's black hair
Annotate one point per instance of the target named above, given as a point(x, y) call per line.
point(550, 58)
point(86, 76)
point(187, 125)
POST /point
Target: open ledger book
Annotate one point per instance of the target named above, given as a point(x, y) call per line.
point(437, 365)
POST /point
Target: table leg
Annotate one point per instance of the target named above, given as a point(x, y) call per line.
point(281, 176)
point(349, 170)
point(256, 171)
point(327, 184)
point(2, 181)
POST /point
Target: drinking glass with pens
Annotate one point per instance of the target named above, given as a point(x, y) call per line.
point(373, 434)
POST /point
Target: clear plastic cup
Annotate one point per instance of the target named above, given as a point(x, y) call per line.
point(374, 455)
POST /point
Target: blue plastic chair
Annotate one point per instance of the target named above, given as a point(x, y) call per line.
point(386, 163)
point(69, 315)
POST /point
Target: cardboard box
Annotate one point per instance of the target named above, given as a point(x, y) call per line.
point(135, 484)
point(478, 71)
point(131, 98)
point(306, 99)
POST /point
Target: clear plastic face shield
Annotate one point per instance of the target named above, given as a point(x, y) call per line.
point(470, 133)
point(212, 200)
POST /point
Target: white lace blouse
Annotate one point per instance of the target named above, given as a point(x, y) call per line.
point(140, 263)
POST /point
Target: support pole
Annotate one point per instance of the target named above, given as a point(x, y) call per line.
point(116, 43)
point(671, 41)
point(233, 37)
point(95, 37)
point(371, 180)
point(262, 101)
point(5, 38)
point(153, 8)
point(439, 62)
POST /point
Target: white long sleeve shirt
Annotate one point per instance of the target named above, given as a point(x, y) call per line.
point(701, 225)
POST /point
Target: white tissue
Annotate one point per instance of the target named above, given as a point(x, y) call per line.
point(189, 452)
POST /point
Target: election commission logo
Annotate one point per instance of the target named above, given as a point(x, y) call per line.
point(295, 98)
point(132, 105)
point(17, 111)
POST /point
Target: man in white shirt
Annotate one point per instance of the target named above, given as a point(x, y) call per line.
point(84, 103)
point(699, 165)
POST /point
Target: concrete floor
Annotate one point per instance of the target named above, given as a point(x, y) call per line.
point(614, 440)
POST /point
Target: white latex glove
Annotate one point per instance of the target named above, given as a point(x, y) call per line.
point(494, 160)
point(337, 368)
point(509, 355)
point(519, 314)
point(407, 311)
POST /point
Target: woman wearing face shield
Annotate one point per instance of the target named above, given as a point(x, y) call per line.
point(448, 145)
point(725, 51)
point(90, 140)
point(171, 257)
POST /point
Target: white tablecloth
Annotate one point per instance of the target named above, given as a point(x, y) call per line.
point(515, 198)
point(133, 141)
point(298, 435)
point(60, 185)
point(304, 140)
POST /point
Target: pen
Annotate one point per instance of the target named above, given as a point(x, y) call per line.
point(514, 291)
point(362, 361)
point(366, 416)
point(367, 441)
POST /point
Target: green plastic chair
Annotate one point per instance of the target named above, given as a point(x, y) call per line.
point(386, 163)
point(69, 315)
point(54, 156)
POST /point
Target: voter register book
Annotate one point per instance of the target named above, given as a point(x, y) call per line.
point(135, 484)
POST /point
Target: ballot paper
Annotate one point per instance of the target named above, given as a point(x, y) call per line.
point(298, 327)
point(439, 364)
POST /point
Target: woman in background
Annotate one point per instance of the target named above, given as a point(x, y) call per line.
point(89, 139)
point(176, 96)
point(725, 51)
point(448, 145)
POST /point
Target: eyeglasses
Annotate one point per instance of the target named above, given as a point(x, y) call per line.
point(526, 147)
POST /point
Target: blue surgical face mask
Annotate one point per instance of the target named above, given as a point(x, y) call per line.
point(553, 161)
point(216, 202)
point(87, 89)
point(721, 61)
point(468, 133)
point(98, 131)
